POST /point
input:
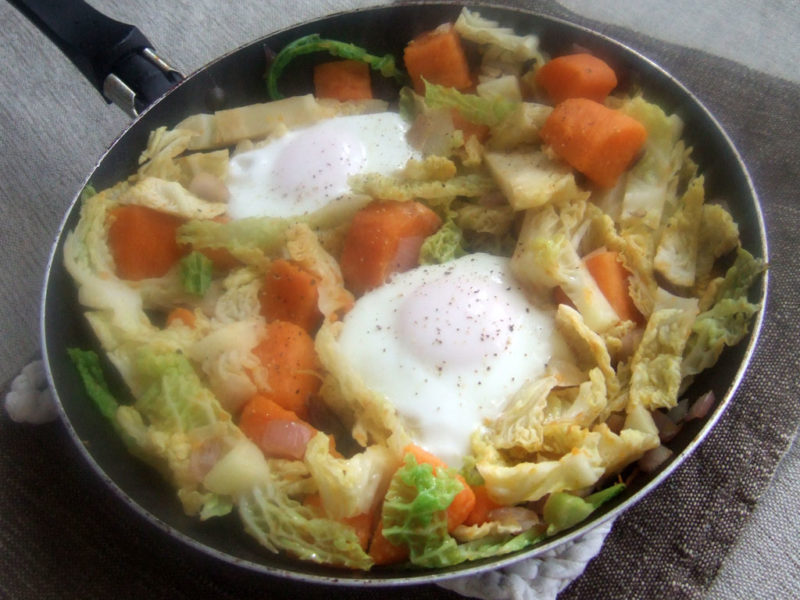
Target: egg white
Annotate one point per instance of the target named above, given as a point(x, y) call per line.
point(448, 346)
point(308, 168)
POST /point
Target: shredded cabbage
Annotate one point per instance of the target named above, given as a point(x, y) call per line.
point(727, 321)
point(476, 109)
point(656, 365)
point(414, 516)
point(279, 522)
point(348, 486)
point(196, 273)
point(472, 26)
point(676, 254)
point(545, 258)
point(445, 245)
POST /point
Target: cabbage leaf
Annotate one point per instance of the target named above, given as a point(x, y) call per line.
point(474, 108)
point(727, 321)
point(370, 416)
point(520, 127)
point(304, 247)
point(652, 182)
point(471, 26)
point(279, 522)
point(532, 179)
point(520, 424)
point(563, 510)
point(225, 356)
point(348, 486)
point(719, 234)
point(676, 254)
point(171, 197)
point(656, 364)
point(545, 258)
point(196, 272)
point(414, 516)
point(443, 246)
point(247, 239)
point(472, 185)
point(164, 434)
point(385, 65)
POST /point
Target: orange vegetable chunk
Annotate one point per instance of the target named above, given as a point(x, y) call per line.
point(483, 506)
point(439, 57)
point(598, 141)
point(290, 293)
point(577, 76)
point(142, 241)
point(384, 552)
point(612, 279)
point(184, 315)
point(291, 362)
point(384, 238)
point(222, 258)
point(481, 132)
point(362, 524)
point(464, 501)
point(342, 80)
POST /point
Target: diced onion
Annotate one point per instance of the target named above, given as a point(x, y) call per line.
point(654, 458)
point(701, 406)
point(204, 457)
point(209, 187)
point(678, 412)
point(667, 428)
point(515, 516)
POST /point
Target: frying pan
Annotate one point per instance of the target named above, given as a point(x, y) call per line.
point(236, 79)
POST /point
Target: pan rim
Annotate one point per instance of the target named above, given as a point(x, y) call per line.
point(467, 569)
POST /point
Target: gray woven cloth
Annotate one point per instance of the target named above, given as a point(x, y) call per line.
point(62, 535)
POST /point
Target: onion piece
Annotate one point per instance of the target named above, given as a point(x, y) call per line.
point(204, 457)
point(701, 406)
point(667, 428)
point(678, 412)
point(209, 187)
point(652, 459)
point(407, 256)
point(516, 516)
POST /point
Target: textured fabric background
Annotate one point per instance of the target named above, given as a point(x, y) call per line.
point(64, 536)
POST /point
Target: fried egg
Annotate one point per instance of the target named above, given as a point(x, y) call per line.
point(448, 346)
point(308, 168)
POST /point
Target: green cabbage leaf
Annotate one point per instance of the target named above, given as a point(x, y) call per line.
point(279, 522)
point(414, 516)
point(727, 321)
point(476, 109)
point(563, 510)
point(196, 272)
point(443, 246)
point(472, 26)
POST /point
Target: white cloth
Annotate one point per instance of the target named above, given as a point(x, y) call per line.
point(540, 578)
point(30, 400)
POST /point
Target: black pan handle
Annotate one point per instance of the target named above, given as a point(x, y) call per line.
point(115, 57)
